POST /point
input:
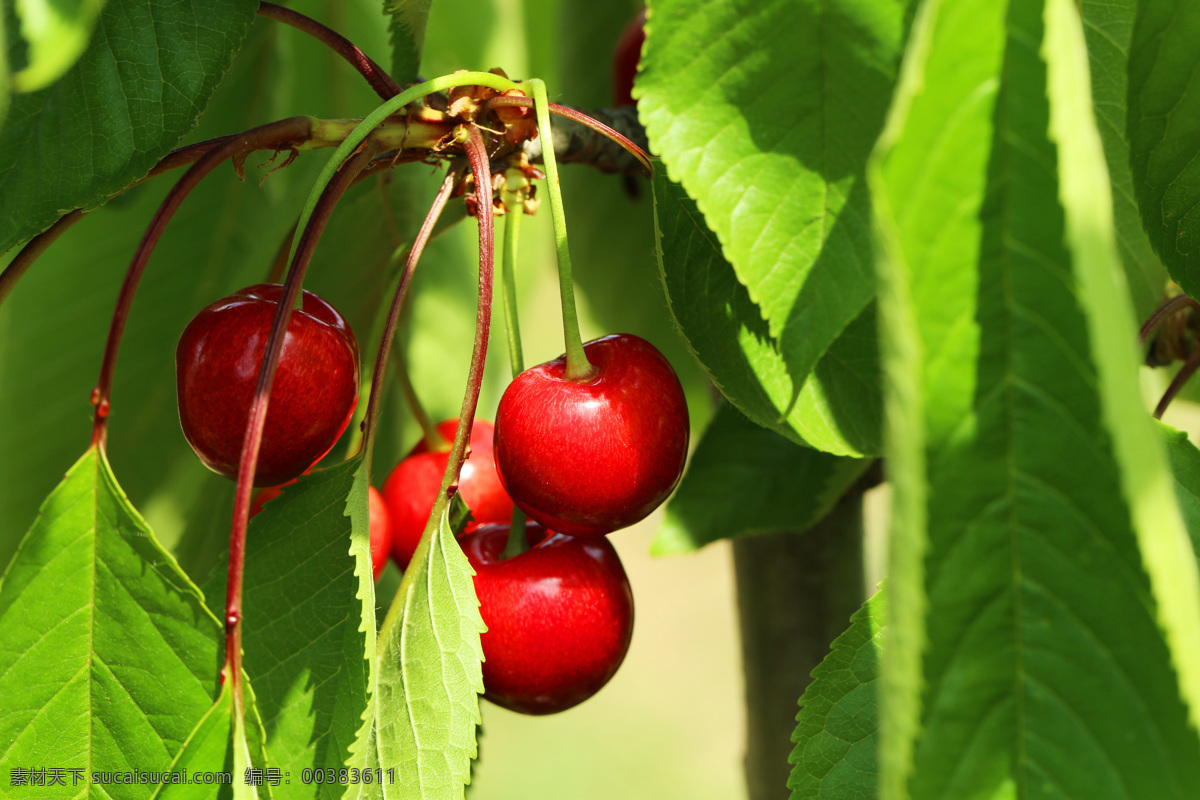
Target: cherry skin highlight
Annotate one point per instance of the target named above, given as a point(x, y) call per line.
point(559, 617)
point(312, 398)
point(412, 487)
point(586, 458)
point(380, 521)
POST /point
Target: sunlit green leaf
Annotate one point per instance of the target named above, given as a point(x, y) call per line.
point(109, 655)
point(57, 34)
point(1033, 518)
point(430, 677)
point(837, 730)
point(765, 115)
point(1109, 29)
point(838, 409)
point(146, 75)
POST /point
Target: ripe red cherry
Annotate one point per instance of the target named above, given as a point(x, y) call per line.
point(625, 60)
point(380, 521)
point(381, 531)
point(587, 458)
point(312, 399)
point(413, 485)
point(559, 617)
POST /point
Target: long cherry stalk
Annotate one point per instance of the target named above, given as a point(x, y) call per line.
point(252, 441)
point(269, 135)
point(514, 212)
point(481, 169)
point(587, 121)
point(578, 366)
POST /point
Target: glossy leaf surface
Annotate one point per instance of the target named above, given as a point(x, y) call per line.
point(148, 71)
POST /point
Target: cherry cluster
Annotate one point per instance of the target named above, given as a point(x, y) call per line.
point(581, 458)
point(268, 379)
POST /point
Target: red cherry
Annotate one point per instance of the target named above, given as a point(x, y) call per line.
point(413, 485)
point(559, 617)
point(381, 530)
point(313, 397)
point(625, 60)
point(587, 458)
point(380, 521)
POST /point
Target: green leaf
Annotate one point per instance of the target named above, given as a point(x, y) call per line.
point(1028, 594)
point(835, 757)
point(1164, 132)
point(407, 25)
point(1108, 26)
point(148, 72)
point(209, 748)
point(217, 744)
point(772, 147)
point(305, 646)
point(1145, 477)
point(109, 654)
point(364, 750)
point(5, 68)
point(1185, 469)
point(429, 672)
point(743, 480)
point(57, 34)
point(839, 406)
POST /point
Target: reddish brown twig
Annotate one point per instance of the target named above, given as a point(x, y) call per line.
point(380, 81)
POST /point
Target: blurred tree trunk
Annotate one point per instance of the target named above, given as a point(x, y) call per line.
point(796, 592)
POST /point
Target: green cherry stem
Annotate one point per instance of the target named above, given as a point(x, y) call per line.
point(385, 110)
point(514, 208)
point(514, 211)
point(578, 367)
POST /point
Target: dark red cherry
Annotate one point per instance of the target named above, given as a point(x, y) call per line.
point(626, 56)
point(411, 488)
point(312, 399)
point(559, 617)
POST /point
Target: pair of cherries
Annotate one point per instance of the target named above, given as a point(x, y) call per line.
point(580, 458)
